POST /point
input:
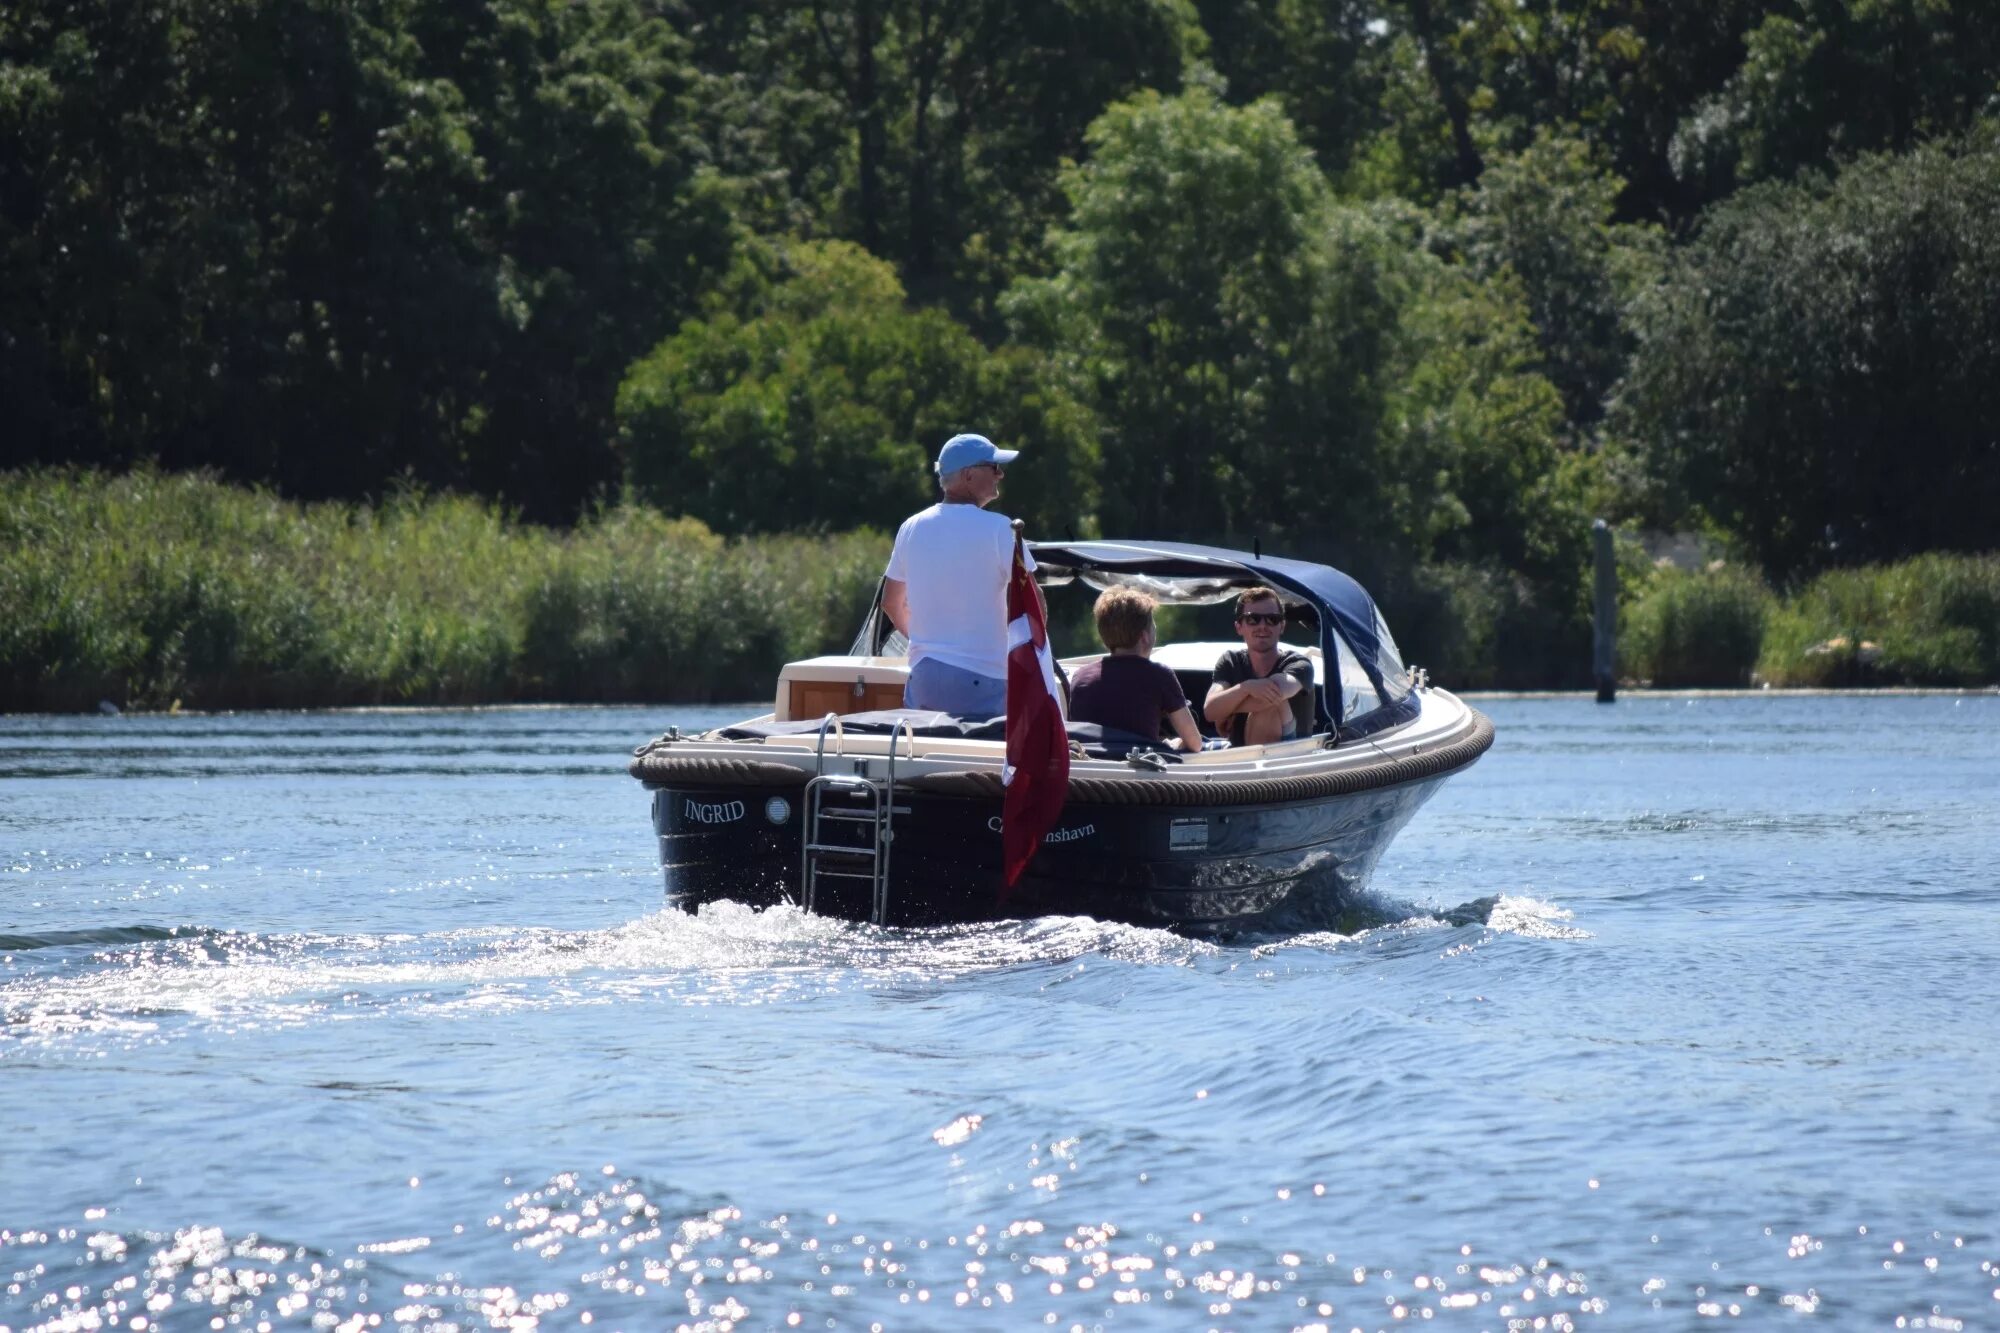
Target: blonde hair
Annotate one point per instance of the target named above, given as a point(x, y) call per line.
point(1123, 616)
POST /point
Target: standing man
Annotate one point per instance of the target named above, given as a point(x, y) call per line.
point(1262, 692)
point(946, 585)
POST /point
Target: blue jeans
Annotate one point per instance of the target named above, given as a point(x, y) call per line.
point(942, 688)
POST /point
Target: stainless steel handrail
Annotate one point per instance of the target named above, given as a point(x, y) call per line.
point(840, 742)
point(887, 827)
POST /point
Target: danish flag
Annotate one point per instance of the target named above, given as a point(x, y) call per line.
point(1037, 772)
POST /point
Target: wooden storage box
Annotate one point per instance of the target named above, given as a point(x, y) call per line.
point(821, 685)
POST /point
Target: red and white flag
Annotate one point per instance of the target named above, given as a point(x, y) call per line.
point(1037, 772)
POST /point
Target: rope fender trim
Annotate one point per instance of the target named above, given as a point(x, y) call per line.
point(657, 769)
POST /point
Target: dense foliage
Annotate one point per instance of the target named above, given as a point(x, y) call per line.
point(807, 395)
point(1931, 621)
point(158, 590)
point(176, 590)
point(1696, 627)
point(329, 243)
point(1413, 285)
point(1822, 374)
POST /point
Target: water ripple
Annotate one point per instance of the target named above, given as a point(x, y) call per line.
point(1658, 1016)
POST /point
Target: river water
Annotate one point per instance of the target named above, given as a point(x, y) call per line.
point(1670, 1010)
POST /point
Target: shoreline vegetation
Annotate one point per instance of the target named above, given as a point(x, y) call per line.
point(157, 591)
point(154, 590)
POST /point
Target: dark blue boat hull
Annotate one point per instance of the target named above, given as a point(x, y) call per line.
point(1282, 865)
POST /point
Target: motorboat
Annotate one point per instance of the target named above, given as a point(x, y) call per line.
point(843, 802)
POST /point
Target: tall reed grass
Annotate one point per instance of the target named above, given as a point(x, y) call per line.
point(1930, 620)
point(1696, 629)
point(156, 590)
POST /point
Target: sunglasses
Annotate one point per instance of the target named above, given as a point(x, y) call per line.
point(1261, 618)
point(998, 470)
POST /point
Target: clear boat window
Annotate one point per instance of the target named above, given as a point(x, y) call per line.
point(1357, 693)
point(1395, 679)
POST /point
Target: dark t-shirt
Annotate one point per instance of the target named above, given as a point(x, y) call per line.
point(1233, 668)
point(1131, 693)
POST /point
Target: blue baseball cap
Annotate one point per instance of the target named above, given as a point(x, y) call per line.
point(963, 451)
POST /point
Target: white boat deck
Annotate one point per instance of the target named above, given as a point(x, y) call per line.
point(1443, 720)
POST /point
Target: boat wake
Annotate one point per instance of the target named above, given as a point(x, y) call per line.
point(1500, 914)
point(1372, 917)
point(148, 982)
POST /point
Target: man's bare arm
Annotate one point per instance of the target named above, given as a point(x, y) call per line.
point(1226, 701)
point(896, 604)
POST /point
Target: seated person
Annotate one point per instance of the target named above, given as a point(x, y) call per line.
point(1262, 692)
point(1128, 690)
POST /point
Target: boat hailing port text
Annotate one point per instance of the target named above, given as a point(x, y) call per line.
point(1055, 835)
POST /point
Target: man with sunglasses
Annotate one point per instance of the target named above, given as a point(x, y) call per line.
point(1261, 692)
point(946, 585)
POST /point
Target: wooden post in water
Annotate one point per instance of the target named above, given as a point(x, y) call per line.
point(1604, 614)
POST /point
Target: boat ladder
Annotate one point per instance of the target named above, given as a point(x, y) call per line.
point(850, 823)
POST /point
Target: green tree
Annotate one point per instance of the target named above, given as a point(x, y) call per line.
point(1472, 429)
point(1227, 322)
point(1823, 80)
point(1268, 363)
point(326, 244)
point(600, 223)
point(1545, 215)
point(929, 132)
point(1465, 80)
point(1323, 62)
point(1820, 372)
point(810, 396)
point(1674, 57)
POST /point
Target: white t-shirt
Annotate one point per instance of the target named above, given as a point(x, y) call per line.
point(955, 560)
